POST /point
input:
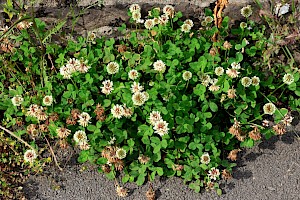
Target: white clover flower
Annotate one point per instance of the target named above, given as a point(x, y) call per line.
point(146, 94)
point(219, 71)
point(159, 66)
point(79, 136)
point(232, 73)
point(205, 158)
point(189, 22)
point(83, 66)
point(136, 87)
point(213, 173)
point(187, 75)
point(186, 28)
point(136, 15)
point(209, 19)
point(133, 74)
point(84, 119)
point(163, 19)
point(48, 100)
point(246, 11)
point(214, 88)
point(156, 20)
point(138, 98)
point(140, 21)
point(169, 11)
point(117, 111)
point(30, 156)
point(205, 79)
point(65, 72)
point(161, 127)
point(255, 80)
point(269, 108)
point(121, 153)
point(154, 117)
point(134, 8)
point(33, 110)
point(236, 66)
point(112, 68)
point(246, 81)
point(17, 100)
point(288, 79)
point(149, 23)
point(107, 87)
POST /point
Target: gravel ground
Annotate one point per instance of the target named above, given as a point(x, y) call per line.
point(269, 171)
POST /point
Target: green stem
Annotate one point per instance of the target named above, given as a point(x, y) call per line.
point(275, 89)
point(256, 118)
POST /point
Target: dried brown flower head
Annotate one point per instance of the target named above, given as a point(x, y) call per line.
point(227, 45)
point(235, 129)
point(255, 134)
point(75, 113)
point(121, 48)
point(31, 128)
point(122, 192)
point(213, 51)
point(44, 128)
point(53, 117)
point(20, 122)
point(109, 152)
point(209, 185)
point(177, 167)
point(63, 144)
point(226, 174)
point(150, 194)
point(119, 164)
point(143, 159)
point(106, 168)
point(279, 129)
point(100, 113)
point(71, 121)
point(233, 154)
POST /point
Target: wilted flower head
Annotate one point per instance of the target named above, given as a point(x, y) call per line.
point(149, 23)
point(17, 100)
point(84, 145)
point(226, 174)
point(163, 19)
point(47, 100)
point(63, 132)
point(161, 127)
point(112, 68)
point(84, 119)
point(185, 28)
point(255, 80)
point(30, 156)
point(231, 93)
point(79, 136)
point(107, 87)
point(120, 153)
point(213, 173)
point(279, 128)
point(255, 134)
point(233, 154)
point(232, 73)
point(205, 158)
point(187, 75)
point(133, 74)
point(83, 66)
point(288, 79)
point(246, 81)
point(117, 111)
point(32, 110)
point(169, 11)
point(235, 129)
point(159, 66)
point(136, 87)
point(227, 45)
point(269, 108)
point(127, 111)
point(40, 115)
point(219, 71)
point(143, 159)
point(246, 11)
point(134, 8)
point(122, 192)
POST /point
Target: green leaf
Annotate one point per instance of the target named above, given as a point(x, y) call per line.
point(159, 171)
point(106, 103)
point(101, 161)
point(219, 192)
point(213, 106)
